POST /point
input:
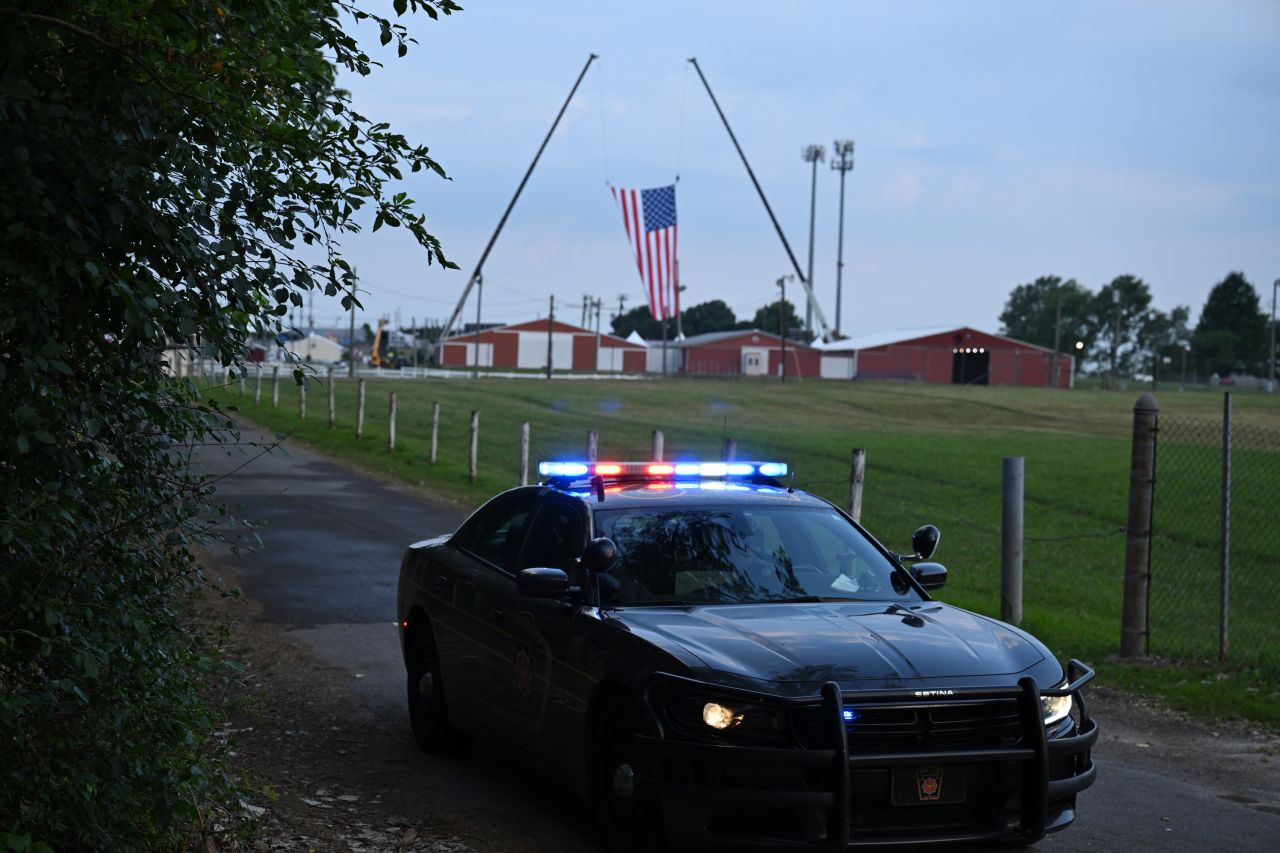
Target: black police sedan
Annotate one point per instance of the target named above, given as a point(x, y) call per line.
point(721, 660)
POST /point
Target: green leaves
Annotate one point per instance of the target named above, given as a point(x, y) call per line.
point(164, 169)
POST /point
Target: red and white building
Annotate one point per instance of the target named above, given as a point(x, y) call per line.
point(748, 353)
point(523, 346)
point(957, 355)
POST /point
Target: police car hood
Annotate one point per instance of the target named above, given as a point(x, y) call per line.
point(852, 643)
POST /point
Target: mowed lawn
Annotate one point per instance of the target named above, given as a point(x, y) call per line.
point(934, 455)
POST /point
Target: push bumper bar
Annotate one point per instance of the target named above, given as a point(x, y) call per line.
point(824, 812)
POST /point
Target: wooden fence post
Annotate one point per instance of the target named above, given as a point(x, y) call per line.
point(275, 387)
point(391, 423)
point(333, 412)
point(593, 446)
point(524, 453)
point(241, 380)
point(1011, 541)
point(302, 400)
point(657, 446)
point(360, 409)
point(435, 431)
point(475, 435)
point(1137, 548)
point(856, 475)
point(257, 390)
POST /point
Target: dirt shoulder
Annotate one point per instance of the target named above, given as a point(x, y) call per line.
point(330, 776)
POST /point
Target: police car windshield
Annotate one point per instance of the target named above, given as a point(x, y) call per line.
point(743, 555)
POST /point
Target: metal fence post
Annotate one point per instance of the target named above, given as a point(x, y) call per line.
point(524, 453)
point(1224, 578)
point(593, 446)
point(275, 387)
point(302, 401)
point(360, 409)
point(1011, 541)
point(475, 434)
point(435, 431)
point(257, 389)
point(1137, 551)
point(657, 446)
point(856, 476)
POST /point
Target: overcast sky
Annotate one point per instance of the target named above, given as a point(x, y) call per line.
point(996, 142)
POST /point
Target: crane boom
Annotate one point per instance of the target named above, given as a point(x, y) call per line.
point(804, 282)
point(475, 276)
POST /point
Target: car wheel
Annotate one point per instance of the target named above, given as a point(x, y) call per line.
point(428, 709)
point(628, 820)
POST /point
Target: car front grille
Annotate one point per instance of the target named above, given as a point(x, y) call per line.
point(911, 728)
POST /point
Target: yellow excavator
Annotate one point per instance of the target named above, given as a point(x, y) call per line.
point(378, 355)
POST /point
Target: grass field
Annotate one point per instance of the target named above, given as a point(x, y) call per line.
point(934, 454)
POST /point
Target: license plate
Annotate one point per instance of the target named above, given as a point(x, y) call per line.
point(929, 784)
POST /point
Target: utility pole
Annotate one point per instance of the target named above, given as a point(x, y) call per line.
point(351, 341)
point(782, 324)
point(1115, 336)
point(1057, 336)
point(479, 293)
point(842, 162)
point(814, 154)
point(597, 304)
point(1271, 353)
point(622, 302)
point(586, 303)
point(551, 320)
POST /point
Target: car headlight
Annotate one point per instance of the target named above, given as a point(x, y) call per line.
point(1055, 708)
point(703, 716)
point(719, 717)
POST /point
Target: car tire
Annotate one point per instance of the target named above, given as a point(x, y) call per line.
point(628, 821)
point(428, 709)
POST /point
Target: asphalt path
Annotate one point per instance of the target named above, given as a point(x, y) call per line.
point(327, 571)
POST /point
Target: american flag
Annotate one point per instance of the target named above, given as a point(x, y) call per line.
point(650, 219)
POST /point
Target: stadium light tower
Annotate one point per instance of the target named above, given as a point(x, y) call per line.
point(842, 162)
point(812, 154)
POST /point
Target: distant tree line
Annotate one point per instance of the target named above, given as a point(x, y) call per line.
point(713, 316)
point(1117, 329)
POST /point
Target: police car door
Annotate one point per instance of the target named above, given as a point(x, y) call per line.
point(551, 687)
point(479, 684)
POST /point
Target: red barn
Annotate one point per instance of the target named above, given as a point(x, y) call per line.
point(523, 346)
point(954, 355)
point(748, 352)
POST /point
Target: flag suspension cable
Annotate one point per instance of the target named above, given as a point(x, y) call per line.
point(475, 276)
point(800, 276)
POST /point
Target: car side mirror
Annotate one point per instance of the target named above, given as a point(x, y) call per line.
point(930, 575)
point(599, 555)
point(925, 541)
point(543, 583)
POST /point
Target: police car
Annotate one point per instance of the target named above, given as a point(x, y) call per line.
point(717, 659)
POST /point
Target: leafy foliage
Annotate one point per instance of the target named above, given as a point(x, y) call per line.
point(167, 164)
point(1231, 336)
point(769, 318)
point(1031, 314)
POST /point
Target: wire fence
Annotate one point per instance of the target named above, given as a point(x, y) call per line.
point(1214, 587)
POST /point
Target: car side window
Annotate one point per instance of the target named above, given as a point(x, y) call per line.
point(498, 534)
point(557, 538)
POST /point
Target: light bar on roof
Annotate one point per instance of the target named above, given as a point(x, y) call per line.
point(662, 471)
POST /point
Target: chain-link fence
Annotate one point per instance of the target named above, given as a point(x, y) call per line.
point(1215, 588)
